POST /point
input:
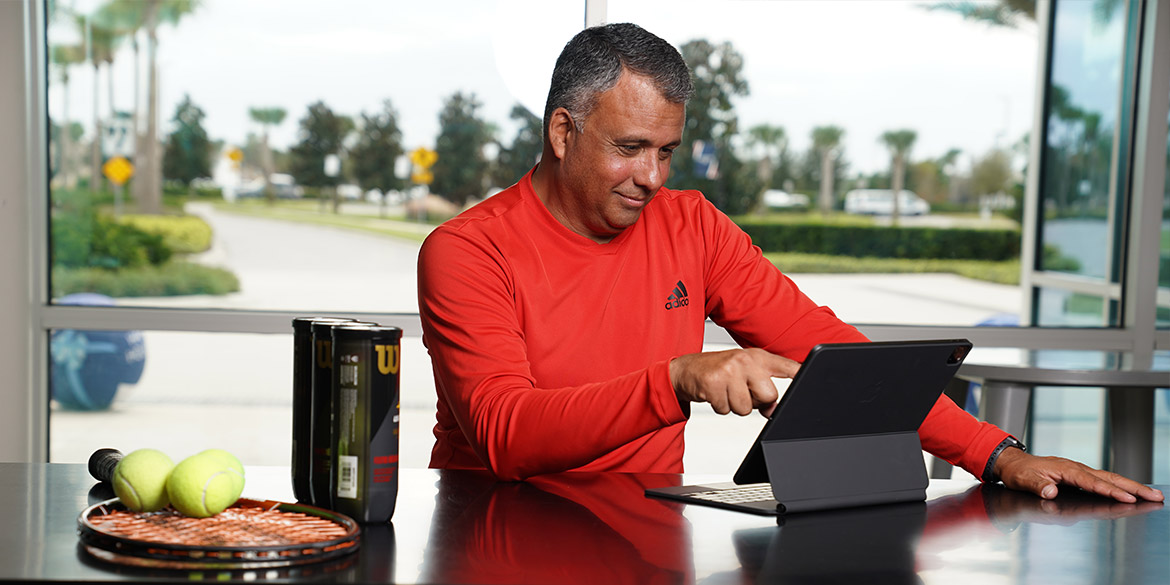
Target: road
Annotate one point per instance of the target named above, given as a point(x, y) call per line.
point(298, 267)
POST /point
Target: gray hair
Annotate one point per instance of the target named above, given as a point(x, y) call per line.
point(592, 62)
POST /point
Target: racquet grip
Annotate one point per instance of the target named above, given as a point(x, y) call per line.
point(103, 462)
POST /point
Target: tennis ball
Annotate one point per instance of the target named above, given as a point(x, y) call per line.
point(232, 462)
point(204, 485)
point(140, 480)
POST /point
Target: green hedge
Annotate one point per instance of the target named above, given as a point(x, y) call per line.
point(171, 279)
point(84, 238)
point(886, 242)
point(184, 234)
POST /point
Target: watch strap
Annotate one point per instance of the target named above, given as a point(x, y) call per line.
point(989, 474)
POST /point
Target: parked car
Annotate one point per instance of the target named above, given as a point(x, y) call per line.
point(349, 192)
point(283, 186)
point(777, 199)
point(881, 202)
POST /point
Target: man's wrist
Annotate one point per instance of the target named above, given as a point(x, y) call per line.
point(989, 472)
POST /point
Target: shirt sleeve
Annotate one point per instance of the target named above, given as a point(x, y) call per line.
point(762, 307)
point(482, 372)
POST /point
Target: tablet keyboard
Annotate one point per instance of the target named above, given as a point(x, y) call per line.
point(738, 495)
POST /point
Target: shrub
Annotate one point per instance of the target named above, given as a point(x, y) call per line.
point(83, 238)
point(864, 241)
point(184, 234)
point(172, 279)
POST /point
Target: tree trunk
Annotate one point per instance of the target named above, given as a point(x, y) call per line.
point(266, 167)
point(896, 185)
point(136, 185)
point(65, 146)
point(95, 149)
point(826, 181)
point(151, 172)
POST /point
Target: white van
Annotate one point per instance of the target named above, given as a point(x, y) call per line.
point(777, 199)
point(881, 202)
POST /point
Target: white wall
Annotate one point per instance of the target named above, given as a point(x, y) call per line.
point(22, 410)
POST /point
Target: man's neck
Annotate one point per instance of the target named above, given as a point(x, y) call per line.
point(546, 187)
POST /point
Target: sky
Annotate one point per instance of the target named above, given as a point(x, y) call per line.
point(867, 66)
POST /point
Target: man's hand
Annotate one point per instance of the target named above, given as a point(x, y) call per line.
point(736, 380)
point(1040, 475)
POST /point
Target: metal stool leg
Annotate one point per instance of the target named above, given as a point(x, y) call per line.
point(1005, 405)
point(1130, 451)
point(957, 390)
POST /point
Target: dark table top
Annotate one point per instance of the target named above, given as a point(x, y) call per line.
point(462, 527)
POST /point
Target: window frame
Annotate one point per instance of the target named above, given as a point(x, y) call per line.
point(24, 427)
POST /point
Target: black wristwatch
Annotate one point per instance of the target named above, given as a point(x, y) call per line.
point(989, 475)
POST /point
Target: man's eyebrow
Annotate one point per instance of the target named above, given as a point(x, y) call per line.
point(635, 140)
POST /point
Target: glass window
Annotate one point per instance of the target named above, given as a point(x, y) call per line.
point(237, 203)
point(260, 158)
point(1082, 213)
point(818, 111)
point(183, 392)
point(1084, 105)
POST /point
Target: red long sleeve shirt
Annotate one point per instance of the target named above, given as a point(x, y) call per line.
point(551, 352)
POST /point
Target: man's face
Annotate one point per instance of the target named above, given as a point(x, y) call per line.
point(618, 161)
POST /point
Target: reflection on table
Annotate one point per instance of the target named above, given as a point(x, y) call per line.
point(464, 527)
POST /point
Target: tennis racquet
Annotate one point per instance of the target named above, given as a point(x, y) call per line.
point(251, 534)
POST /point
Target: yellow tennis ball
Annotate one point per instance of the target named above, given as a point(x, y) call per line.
point(140, 480)
point(233, 462)
point(203, 485)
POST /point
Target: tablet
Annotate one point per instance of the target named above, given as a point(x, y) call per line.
point(868, 388)
point(845, 433)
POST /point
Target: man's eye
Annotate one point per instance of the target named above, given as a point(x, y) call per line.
point(629, 148)
point(665, 153)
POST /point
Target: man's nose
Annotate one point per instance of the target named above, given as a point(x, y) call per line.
point(651, 172)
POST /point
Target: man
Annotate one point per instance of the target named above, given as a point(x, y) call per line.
point(564, 316)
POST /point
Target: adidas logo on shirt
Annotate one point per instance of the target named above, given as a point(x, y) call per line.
point(678, 297)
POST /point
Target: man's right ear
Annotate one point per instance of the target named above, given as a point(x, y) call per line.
point(560, 128)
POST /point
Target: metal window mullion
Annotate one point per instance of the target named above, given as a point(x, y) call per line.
point(595, 12)
point(1077, 283)
point(203, 320)
point(1030, 249)
point(1142, 294)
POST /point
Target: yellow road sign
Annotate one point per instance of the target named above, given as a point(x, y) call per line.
point(422, 177)
point(118, 170)
point(424, 157)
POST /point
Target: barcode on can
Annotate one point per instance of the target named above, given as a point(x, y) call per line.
point(347, 468)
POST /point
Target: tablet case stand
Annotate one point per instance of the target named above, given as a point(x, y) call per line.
point(838, 472)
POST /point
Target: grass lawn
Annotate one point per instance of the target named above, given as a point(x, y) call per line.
point(360, 218)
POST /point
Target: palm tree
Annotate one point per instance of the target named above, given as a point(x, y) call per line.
point(125, 17)
point(148, 15)
point(101, 45)
point(948, 164)
point(899, 142)
point(64, 57)
point(772, 140)
point(267, 117)
point(825, 141)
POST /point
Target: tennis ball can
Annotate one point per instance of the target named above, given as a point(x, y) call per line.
point(302, 404)
point(366, 359)
point(321, 423)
